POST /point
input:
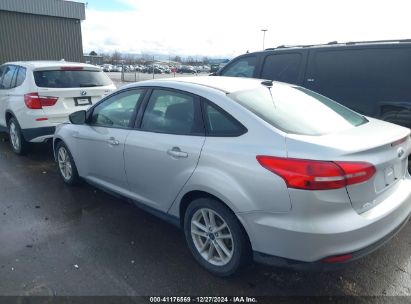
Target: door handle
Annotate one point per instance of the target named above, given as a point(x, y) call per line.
point(112, 141)
point(177, 153)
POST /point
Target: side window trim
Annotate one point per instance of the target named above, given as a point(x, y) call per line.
point(142, 109)
point(20, 70)
point(14, 79)
point(90, 111)
point(197, 108)
point(242, 129)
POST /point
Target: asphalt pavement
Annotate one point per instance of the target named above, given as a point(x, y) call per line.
point(61, 240)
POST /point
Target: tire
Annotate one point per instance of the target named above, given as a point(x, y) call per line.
point(220, 263)
point(19, 145)
point(67, 167)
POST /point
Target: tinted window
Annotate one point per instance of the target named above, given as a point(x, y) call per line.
point(363, 78)
point(8, 77)
point(243, 67)
point(282, 67)
point(171, 112)
point(2, 69)
point(220, 123)
point(298, 110)
point(21, 75)
point(70, 79)
point(116, 111)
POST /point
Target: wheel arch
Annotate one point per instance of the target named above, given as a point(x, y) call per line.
point(9, 114)
point(55, 142)
point(192, 195)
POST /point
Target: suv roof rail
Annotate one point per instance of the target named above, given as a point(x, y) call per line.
point(379, 41)
point(337, 43)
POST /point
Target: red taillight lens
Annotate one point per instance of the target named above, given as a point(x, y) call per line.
point(317, 175)
point(34, 101)
point(356, 172)
point(338, 258)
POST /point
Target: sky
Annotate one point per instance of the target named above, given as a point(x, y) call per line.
point(227, 28)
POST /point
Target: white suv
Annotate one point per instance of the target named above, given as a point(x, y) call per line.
point(35, 96)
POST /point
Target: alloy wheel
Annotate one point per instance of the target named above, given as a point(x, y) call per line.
point(14, 136)
point(212, 237)
point(64, 163)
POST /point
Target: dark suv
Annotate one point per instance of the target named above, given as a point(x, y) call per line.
point(372, 78)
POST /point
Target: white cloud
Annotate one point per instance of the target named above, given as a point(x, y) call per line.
point(227, 28)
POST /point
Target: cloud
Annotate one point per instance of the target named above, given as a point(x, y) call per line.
point(229, 28)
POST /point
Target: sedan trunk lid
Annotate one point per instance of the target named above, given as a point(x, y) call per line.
point(384, 145)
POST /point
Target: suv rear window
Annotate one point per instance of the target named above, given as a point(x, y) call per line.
point(298, 110)
point(70, 79)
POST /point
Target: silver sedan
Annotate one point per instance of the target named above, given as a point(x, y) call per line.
point(247, 168)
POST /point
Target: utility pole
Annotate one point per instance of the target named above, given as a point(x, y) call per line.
point(264, 38)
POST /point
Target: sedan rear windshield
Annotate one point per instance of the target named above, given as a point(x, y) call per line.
point(70, 79)
point(298, 110)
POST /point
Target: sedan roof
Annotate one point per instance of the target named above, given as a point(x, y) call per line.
point(221, 83)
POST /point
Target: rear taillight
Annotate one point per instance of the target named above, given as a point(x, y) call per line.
point(338, 258)
point(317, 175)
point(356, 172)
point(34, 101)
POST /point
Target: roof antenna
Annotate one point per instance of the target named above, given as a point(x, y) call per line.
point(267, 83)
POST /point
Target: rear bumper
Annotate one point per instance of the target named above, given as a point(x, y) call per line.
point(38, 134)
point(320, 265)
point(316, 229)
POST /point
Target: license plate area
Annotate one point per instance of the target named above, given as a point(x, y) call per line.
point(82, 101)
point(389, 175)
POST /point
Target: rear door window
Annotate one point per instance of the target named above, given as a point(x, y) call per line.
point(243, 67)
point(363, 79)
point(282, 67)
point(2, 70)
point(173, 112)
point(70, 79)
point(8, 76)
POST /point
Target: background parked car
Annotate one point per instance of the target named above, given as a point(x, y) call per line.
point(107, 67)
point(186, 69)
point(329, 185)
point(372, 78)
point(35, 96)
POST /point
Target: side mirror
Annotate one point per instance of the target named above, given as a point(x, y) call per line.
point(78, 118)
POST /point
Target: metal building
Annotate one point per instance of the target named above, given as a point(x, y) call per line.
point(41, 30)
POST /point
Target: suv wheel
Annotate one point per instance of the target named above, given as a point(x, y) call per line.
point(67, 167)
point(18, 143)
point(215, 237)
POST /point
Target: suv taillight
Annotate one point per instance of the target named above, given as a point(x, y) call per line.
point(317, 175)
point(34, 101)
